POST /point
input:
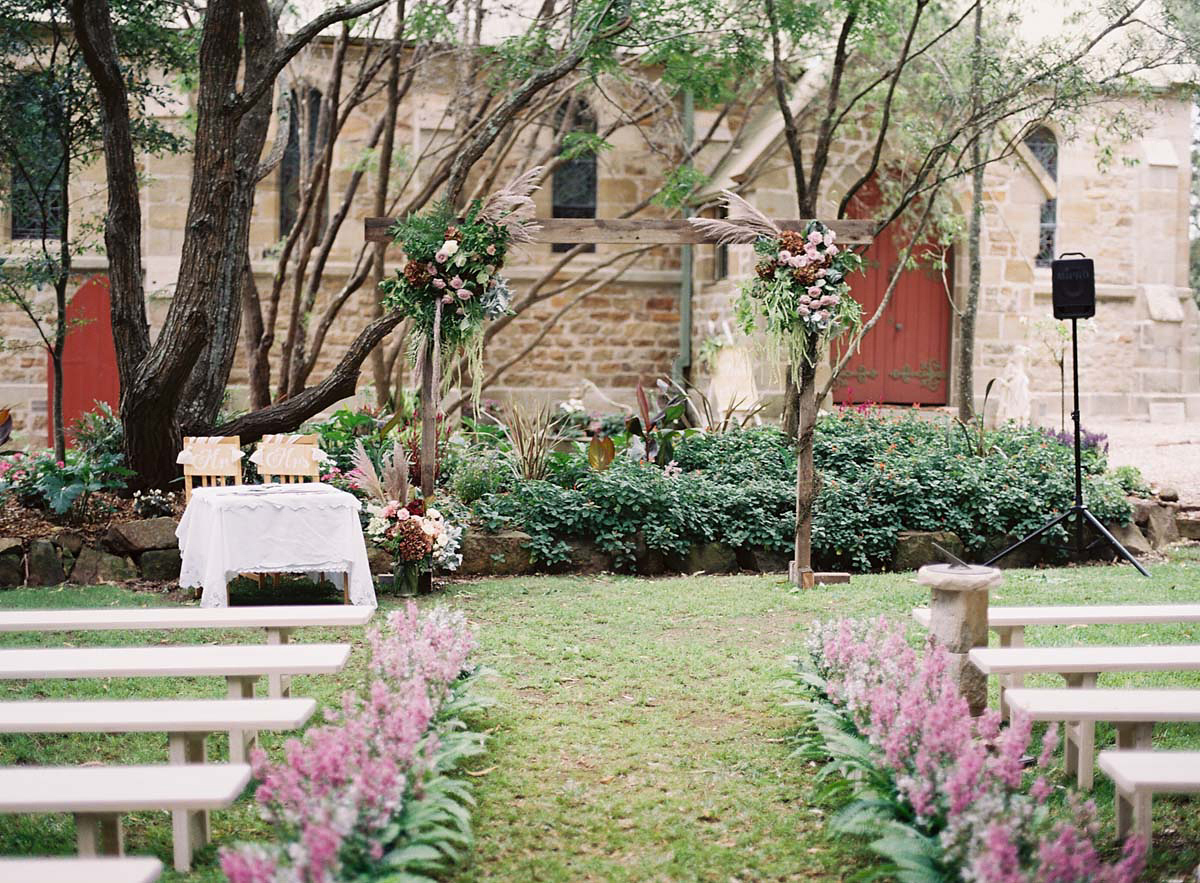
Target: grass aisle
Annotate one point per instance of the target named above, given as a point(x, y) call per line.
point(640, 731)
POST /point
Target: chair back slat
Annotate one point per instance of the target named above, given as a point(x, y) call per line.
point(212, 464)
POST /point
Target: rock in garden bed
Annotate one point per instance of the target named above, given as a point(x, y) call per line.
point(503, 553)
point(135, 537)
point(93, 567)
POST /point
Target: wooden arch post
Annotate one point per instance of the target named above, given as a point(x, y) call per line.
point(582, 231)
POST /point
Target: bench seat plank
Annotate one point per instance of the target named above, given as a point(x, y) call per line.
point(192, 661)
point(140, 869)
point(1083, 660)
point(119, 789)
point(154, 715)
point(1110, 705)
point(1176, 772)
point(87, 619)
point(1100, 614)
point(1139, 775)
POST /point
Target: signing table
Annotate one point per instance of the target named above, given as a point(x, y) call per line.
point(272, 528)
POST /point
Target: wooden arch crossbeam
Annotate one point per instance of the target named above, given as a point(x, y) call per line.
point(641, 231)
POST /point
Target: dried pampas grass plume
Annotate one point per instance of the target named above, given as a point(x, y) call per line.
point(512, 206)
point(745, 223)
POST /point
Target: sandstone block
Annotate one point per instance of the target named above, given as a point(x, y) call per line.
point(69, 541)
point(586, 557)
point(1160, 528)
point(160, 564)
point(763, 560)
point(1189, 528)
point(11, 546)
point(914, 548)
point(42, 565)
point(706, 557)
point(972, 683)
point(504, 553)
point(1131, 537)
point(135, 537)
point(12, 571)
point(94, 567)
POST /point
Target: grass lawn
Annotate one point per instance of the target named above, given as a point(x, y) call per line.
point(641, 731)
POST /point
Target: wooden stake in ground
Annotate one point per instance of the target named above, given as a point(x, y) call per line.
point(806, 478)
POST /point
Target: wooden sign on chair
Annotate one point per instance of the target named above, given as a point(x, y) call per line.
point(288, 459)
point(210, 461)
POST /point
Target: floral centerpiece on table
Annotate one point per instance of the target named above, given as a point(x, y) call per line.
point(799, 287)
point(418, 537)
point(450, 284)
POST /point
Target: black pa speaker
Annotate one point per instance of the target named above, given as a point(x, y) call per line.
point(1073, 282)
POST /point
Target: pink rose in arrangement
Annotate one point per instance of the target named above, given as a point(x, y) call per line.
point(815, 237)
point(456, 282)
point(491, 249)
point(439, 284)
point(447, 299)
point(464, 294)
point(441, 257)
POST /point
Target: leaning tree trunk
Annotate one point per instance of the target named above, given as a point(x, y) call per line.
point(205, 391)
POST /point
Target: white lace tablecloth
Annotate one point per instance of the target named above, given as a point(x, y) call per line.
point(272, 528)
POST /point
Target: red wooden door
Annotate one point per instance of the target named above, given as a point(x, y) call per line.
point(89, 357)
point(905, 358)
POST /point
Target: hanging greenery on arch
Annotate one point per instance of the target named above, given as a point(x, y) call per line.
point(800, 289)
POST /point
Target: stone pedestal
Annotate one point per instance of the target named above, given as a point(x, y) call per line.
point(958, 621)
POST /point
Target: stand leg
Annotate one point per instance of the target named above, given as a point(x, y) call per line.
point(1113, 541)
point(1033, 536)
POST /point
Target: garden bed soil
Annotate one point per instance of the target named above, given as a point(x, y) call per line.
point(25, 524)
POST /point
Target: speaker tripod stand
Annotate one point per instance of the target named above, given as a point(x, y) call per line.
point(1079, 510)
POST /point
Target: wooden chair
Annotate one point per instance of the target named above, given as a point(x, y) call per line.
point(208, 462)
point(288, 459)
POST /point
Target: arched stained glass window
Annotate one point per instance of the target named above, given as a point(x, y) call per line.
point(1044, 146)
point(573, 186)
point(302, 126)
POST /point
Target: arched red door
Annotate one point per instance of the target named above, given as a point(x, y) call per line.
point(89, 357)
point(905, 358)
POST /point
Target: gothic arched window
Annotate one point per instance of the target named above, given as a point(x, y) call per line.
point(295, 165)
point(1044, 146)
point(573, 186)
point(36, 160)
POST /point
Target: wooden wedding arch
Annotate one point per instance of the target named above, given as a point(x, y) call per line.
point(674, 231)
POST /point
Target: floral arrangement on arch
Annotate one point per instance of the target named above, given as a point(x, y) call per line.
point(450, 284)
point(398, 520)
point(800, 286)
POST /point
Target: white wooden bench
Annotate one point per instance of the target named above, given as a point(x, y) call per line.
point(1134, 712)
point(279, 622)
point(187, 723)
point(1009, 623)
point(1139, 775)
point(241, 665)
point(97, 796)
point(1081, 667)
point(141, 869)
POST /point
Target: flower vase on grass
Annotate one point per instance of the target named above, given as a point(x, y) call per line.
point(418, 538)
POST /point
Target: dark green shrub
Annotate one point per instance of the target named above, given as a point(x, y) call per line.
point(879, 475)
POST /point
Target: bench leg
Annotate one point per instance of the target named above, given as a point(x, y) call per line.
point(1010, 636)
point(345, 587)
point(1138, 736)
point(278, 686)
point(1134, 815)
point(1084, 754)
point(241, 741)
point(190, 828)
point(99, 834)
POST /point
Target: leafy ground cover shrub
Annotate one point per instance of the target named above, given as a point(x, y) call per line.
point(371, 794)
point(67, 488)
point(879, 475)
point(944, 796)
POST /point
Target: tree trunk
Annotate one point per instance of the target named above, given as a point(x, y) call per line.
point(966, 326)
point(379, 367)
point(806, 482)
point(258, 365)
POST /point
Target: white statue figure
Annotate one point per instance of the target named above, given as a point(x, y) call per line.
point(1014, 401)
